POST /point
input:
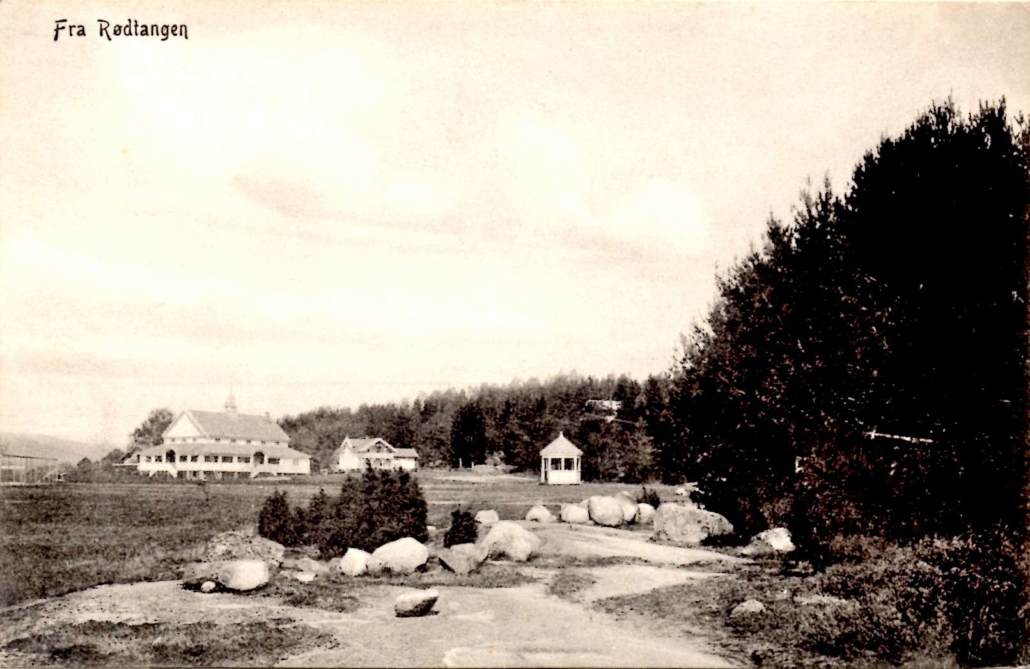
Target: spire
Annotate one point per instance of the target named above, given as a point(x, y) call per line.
point(230, 403)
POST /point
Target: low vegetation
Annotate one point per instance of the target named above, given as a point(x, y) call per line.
point(463, 529)
point(208, 644)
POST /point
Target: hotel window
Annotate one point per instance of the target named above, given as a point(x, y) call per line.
point(226, 458)
point(245, 459)
point(157, 458)
point(183, 458)
point(194, 458)
point(217, 439)
point(148, 459)
point(273, 461)
point(210, 458)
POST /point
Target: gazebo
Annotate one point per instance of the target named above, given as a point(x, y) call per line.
point(560, 463)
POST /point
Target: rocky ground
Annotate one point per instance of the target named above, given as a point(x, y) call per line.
point(551, 622)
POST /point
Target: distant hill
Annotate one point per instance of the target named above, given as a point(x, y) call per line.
point(43, 446)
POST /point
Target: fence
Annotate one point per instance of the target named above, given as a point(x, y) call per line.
point(27, 469)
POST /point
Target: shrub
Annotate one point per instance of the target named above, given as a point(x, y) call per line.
point(649, 496)
point(313, 520)
point(463, 529)
point(378, 508)
point(276, 521)
point(959, 595)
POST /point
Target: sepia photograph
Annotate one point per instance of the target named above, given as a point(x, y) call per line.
point(583, 333)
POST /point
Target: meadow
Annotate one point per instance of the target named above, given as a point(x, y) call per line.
point(63, 538)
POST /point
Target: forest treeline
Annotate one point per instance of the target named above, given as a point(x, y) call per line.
point(509, 424)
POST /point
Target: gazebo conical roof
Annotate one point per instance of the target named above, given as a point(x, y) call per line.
point(561, 448)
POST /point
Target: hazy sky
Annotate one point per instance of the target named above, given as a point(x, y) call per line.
point(334, 203)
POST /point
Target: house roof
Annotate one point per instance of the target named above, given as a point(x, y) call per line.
point(561, 448)
point(270, 450)
point(361, 445)
point(405, 452)
point(222, 425)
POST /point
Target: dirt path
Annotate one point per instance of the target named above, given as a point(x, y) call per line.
point(512, 627)
point(509, 627)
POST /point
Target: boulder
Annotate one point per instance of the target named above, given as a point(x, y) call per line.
point(354, 562)
point(575, 514)
point(238, 545)
point(208, 586)
point(629, 508)
point(688, 525)
point(511, 541)
point(487, 517)
point(403, 556)
point(747, 607)
point(306, 564)
point(463, 559)
point(305, 576)
point(374, 566)
point(606, 511)
point(238, 575)
point(414, 604)
point(540, 514)
point(645, 514)
point(681, 491)
point(776, 540)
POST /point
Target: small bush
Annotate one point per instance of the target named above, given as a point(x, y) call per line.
point(276, 521)
point(649, 496)
point(463, 529)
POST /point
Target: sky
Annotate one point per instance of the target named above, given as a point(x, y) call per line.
point(323, 203)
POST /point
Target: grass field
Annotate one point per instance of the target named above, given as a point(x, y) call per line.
point(63, 538)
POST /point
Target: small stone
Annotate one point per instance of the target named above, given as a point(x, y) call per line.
point(415, 604)
point(487, 517)
point(645, 514)
point(574, 514)
point(748, 607)
point(305, 576)
point(208, 586)
point(354, 562)
point(540, 514)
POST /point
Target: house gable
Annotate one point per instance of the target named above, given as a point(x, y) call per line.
point(183, 427)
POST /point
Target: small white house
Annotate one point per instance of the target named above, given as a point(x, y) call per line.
point(560, 462)
point(377, 453)
point(212, 445)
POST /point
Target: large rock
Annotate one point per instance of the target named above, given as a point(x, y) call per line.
point(688, 525)
point(354, 562)
point(606, 511)
point(487, 517)
point(540, 514)
point(403, 556)
point(418, 603)
point(511, 541)
point(238, 575)
point(776, 540)
point(306, 564)
point(575, 514)
point(237, 545)
point(463, 559)
point(629, 508)
point(645, 513)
